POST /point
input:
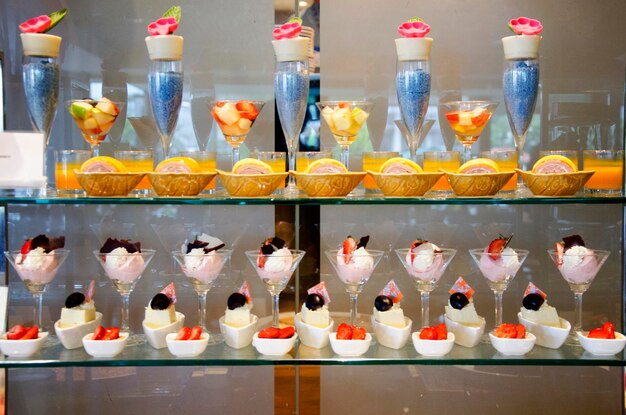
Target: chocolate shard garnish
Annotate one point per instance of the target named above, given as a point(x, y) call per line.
point(363, 242)
point(272, 244)
point(112, 243)
point(196, 244)
point(573, 240)
point(48, 244)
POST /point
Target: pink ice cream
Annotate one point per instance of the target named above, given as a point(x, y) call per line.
point(506, 265)
point(579, 265)
point(37, 266)
point(122, 266)
point(424, 263)
point(359, 267)
point(204, 267)
point(277, 265)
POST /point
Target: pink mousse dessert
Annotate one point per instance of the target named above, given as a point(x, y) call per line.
point(576, 263)
point(501, 261)
point(276, 260)
point(353, 261)
point(201, 258)
point(123, 260)
point(424, 260)
point(36, 261)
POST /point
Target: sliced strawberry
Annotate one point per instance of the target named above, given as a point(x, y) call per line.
point(344, 332)
point(99, 333)
point(414, 245)
point(247, 110)
point(609, 329)
point(183, 334)
point(521, 331)
point(31, 333)
point(453, 117)
point(111, 333)
point(26, 247)
point(597, 334)
point(269, 333)
point(358, 333)
point(497, 246)
point(560, 250)
point(349, 246)
point(261, 260)
point(506, 331)
point(196, 332)
point(442, 331)
point(429, 333)
point(16, 332)
point(286, 332)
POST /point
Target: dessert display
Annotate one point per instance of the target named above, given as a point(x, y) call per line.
point(602, 341)
point(235, 119)
point(94, 119)
point(555, 175)
point(512, 339)
point(22, 341)
point(106, 176)
point(313, 322)
point(251, 178)
point(478, 177)
point(238, 324)
point(105, 342)
point(433, 341)
point(391, 326)
point(161, 317)
point(461, 317)
point(350, 340)
point(499, 264)
point(202, 260)
point(327, 177)
point(37, 263)
point(345, 120)
point(275, 341)
point(78, 318)
point(274, 263)
point(187, 342)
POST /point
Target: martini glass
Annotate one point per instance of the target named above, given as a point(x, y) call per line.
point(235, 121)
point(499, 269)
point(355, 273)
point(468, 119)
point(275, 281)
point(579, 271)
point(202, 271)
point(165, 85)
point(345, 119)
point(36, 273)
point(414, 141)
point(291, 87)
point(124, 270)
point(426, 271)
point(93, 122)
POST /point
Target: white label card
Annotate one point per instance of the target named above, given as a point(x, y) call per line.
point(21, 158)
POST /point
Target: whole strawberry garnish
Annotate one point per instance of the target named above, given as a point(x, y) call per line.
point(496, 246)
point(349, 246)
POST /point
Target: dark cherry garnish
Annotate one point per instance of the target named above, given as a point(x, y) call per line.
point(532, 301)
point(160, 302)
point(314, 301)
point(74, 300)
point(458, 301)
point(236, 300)
point(383, 303)
point(112, 243)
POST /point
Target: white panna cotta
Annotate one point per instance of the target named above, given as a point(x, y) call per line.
point(239, 317)
point(81, 314)
point(393, 317)
point(318, 318)
point(160, 318)
point(546, 315)
point(466, 316)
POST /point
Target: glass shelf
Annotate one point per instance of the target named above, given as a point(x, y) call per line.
point(352, 200)
point(221, 355)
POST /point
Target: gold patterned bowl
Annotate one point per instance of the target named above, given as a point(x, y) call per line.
point(328, 184)
point(251, 185)
point(107, 183)
point(179, 184)
point(558, 184)
point(485, 184)
point(407, 185)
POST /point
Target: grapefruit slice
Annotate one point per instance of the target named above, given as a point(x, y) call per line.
point(479, 166)
point(178, 165)
point(399, 165)
point(252, 166)
point(554, 164)
point(326, 166)
point(102, 164)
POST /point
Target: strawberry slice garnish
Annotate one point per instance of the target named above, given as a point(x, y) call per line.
point(111, 333)
point(99, 333)
point(286, 332)
point(358, 333)
point(597, 334)
point(609, 329)
point(269, 333)
point(560, 250)
point(16, 332)
point(521, 331)
point(344, 332)
point(31, 333)
point(183, 334)
point(429, 333)
point(349, 246)
point(442, 331)
point(497, 246)
point(26, 248)
point(196, 332)
point(247, 110)
point(414, 245)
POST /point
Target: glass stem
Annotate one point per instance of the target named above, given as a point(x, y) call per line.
point(202, 310)
point(235, 155)
point(425, 308)
point(578, 307)
point(467, 152)
point(275, 320)
point(291, 183)
point(38, 312)
point(353, 312)
point(413, 149)
point(345, 155)
point(498, 296)
point(95, 150)
point(124, 326)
